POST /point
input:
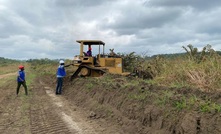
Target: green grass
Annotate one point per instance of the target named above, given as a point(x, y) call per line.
point(205, 106)
point(30, 78)
point(137, 96)
point(181, 104)
point(193, 101)
point(216, 107)
point(163, 98)
point(208, 106)
point(89, 86)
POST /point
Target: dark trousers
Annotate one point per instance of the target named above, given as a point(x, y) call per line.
point(24, 85)
point(59, 85)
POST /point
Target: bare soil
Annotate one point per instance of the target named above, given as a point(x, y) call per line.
point(104, 105)
point(43, 112)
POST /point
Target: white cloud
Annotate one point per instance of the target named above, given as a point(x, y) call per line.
point(49, 28)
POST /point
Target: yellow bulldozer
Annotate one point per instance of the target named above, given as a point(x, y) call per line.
point(90, 65)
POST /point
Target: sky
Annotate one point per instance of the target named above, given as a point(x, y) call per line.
point(31, 29)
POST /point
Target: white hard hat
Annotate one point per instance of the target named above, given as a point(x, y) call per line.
point(61, 62)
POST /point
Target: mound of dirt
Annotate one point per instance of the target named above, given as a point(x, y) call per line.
point(138, 107)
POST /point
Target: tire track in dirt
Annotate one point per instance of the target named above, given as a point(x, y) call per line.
point(69, 114)
point(66, 118)
point(45, 117)
point(50, 113)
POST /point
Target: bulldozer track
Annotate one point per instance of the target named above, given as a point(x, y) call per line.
point(88, 67)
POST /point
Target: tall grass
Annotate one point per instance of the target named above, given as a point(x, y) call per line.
point(182, 72)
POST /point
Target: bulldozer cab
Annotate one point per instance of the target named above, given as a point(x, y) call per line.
point(89, 44)
point(87, 57)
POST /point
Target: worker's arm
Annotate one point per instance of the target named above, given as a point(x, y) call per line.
point(85, 54)
point(68, 65)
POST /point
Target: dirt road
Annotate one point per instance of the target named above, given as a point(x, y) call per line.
point(7, 75)
point(42, 112)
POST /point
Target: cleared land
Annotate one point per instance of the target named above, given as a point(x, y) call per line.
point(42, 112)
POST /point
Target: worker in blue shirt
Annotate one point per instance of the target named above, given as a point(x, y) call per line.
point(21, 80)
point(89, 52)
point(60, 74)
